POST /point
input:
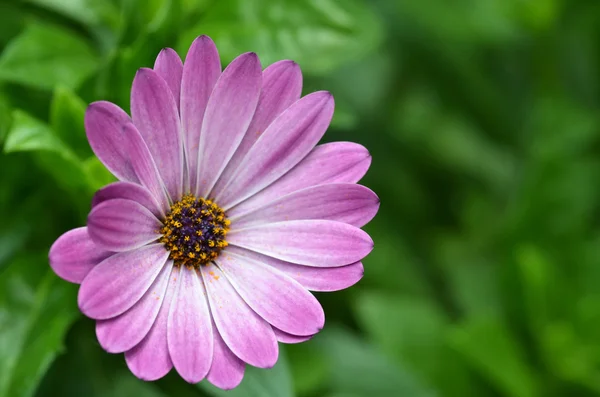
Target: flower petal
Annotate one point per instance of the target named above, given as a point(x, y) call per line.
point(168, 65)
point(118, 282)
point(128, 191)
point(189, 330)
point(287, 141)
point(226, 370)
point(277, 298)
point(353, 204)
point(155, 115)
point(144, 166)
point(284, 337)
point(311, 243)
point(103, 123)
point(201, 71)
point(73, 255)
point(150, 360)
point(121, 333)
point(322, 279)
point(228, 113)
point(122, 225)
point(281, 87)
point(337, 162)
point(246, 333)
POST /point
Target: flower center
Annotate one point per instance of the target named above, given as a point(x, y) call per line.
point(194, 231)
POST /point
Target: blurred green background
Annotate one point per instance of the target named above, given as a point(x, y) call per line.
point(482, 119)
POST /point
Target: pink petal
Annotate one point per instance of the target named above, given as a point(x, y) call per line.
point(284, 337)
point(122, 225)
point(73, 255)
point(337, 162)
point(118, 282)
point(311, 243)
point(155, 115)
point(189, 330)
point(246, 333)
point(228, 114)
point(281, 87)
point(128, 191)
point(103, 123)
point(287, 141)
point(121, 333)
point(168, 65)
point(201, 71)
point(353, 204)
point(226, 371)
point(150, 360)
point(144, 166)
point(277, 298)
point(322, 279)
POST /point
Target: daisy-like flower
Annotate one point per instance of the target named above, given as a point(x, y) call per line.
point(225, 216)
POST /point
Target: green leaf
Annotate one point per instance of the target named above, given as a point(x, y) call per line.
point(87, 370)
point(473, 279)
point(400, 324)
point(162, 19)
point(357, 368)
point(98, 175)
point(127, 61)
point(126, 385)
point(11, 21)
point(318, 34)
point(167, 17)
point(365, 97)
point(25, 198)
point(535, 272)
point(5, 118)
point(540, 14)
point(309, 368)
point(569, 356)
point(274, 382)
point(44, 56)
point(451, 140)
point(480, 21)
point(412, 331)
point(36, 310)
point(344, 118)
point(403, 272)
point(491, 349)
point(103, 19)
point(343, 395)
point(30, 135)
point(89, 12)
point(67, 113)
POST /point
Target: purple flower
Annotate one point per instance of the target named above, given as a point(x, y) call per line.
point(226, 214)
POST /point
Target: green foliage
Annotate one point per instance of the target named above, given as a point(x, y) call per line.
point(483, 121)
point(37, 310)
point(30, 135)
point(44, 56)
point(420, 343)
point(275, 382)
point(67, 111)
point(318, 34)
point(490, 348)
point(89, 12)
point(356, 368)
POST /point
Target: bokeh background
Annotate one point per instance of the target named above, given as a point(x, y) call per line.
point(482, 119)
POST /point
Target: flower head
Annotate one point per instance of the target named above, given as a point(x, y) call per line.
point(225, 215)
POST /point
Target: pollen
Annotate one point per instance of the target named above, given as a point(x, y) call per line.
point(194, 231)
